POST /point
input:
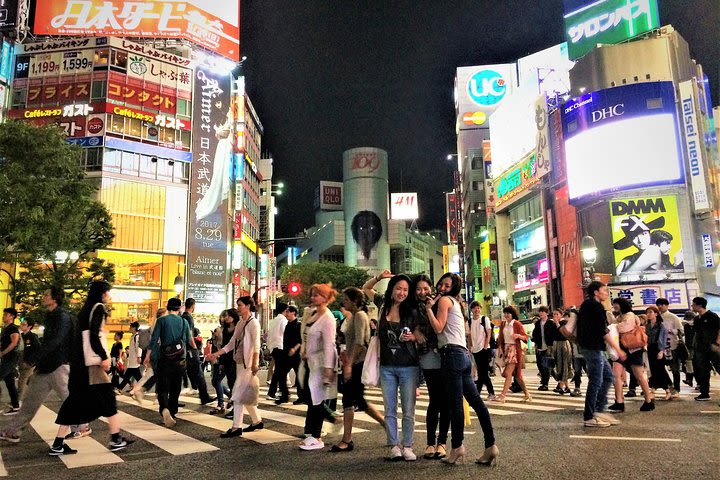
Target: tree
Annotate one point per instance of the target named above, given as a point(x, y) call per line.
point(306, 274)
point(51, 223)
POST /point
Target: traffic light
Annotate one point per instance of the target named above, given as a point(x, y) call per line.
point(294, 288)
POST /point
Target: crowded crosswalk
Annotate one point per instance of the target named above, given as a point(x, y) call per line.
point(197, 430)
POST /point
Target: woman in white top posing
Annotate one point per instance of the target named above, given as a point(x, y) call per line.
point(449, 323)
point(318, 350)
point(245, 345)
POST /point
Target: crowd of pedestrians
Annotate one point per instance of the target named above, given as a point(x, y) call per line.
point(418, 335)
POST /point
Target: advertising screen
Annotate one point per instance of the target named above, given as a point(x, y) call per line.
point(621, 138)
point(213, 24)
point(646, 235)
point(588, 22)
point(480, 90)
point(546, 72)
point(209, 188)
point(8, 15)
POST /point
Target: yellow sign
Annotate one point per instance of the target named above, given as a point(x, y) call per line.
point(646, 235)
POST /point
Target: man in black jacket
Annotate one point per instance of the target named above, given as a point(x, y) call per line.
point(592, 333)
point(543, 336)
point(51, 362)
point(194, 370)
point(707, 339)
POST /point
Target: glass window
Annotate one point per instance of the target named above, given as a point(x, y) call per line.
point(98, 90)
point(118, 60)
point(167, 136)
point(148, 168)
point(111, 161)
point(129, 163)
point(117, 124)
point(133, 127)
point(185, 139)
point(183, 107)
point(182, 172)
point(93, 159)
point(100, 61)
point(18, 97)
point(164, 170)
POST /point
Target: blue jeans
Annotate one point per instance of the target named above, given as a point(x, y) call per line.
point(406, 380)
point(457, 370)
point(600, 377)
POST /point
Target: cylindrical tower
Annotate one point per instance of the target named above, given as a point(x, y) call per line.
point(365, 176)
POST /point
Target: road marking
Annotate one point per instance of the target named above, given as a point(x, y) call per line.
point(709, 411)
point(423, 413)
point(628, 439)
point(3, 470)
point(90, 451)
point(171, 441)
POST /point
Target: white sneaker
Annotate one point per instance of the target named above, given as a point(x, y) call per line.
point(312, 443)
point(168, 420)
point(408, 454)
point(608, 418)
point(395, 453)
point(596, 422)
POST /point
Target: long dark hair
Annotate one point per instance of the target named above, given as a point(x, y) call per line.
point(357, 297)
point(406, 305)
point(512, 312)
point(98, 288)
point(248, 300)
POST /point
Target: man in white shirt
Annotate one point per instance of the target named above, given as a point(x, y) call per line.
point(676, 332)
point(276, 330)
point(132, 370)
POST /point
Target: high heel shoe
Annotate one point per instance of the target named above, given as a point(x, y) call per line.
point(489, 457)
point(455, 455)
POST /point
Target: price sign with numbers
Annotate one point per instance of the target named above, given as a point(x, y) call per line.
point(80, 61)
point(403, 206)
point(45, 65)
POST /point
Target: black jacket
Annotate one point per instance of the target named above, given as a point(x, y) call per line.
point(551, 334)
point(56, 342)
point(592, 325)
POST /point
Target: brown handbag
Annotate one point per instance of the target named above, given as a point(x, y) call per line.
point(634, 339)
point(97, 375)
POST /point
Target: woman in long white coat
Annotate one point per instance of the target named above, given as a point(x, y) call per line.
point(318, 351)
point(245, 345)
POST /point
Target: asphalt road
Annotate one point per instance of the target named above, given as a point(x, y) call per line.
point(543, 439)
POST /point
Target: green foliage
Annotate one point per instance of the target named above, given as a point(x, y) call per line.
point(48, 206)
point(340, 275)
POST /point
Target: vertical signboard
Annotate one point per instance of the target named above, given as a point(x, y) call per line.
point(209, 187)
point(452, 227)
point(694, 148)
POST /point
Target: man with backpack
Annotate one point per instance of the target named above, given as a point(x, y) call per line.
point(10, 346)
point(134, 357)
point(170, 342)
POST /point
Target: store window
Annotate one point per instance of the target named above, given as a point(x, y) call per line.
point(118, 60)
point(100, 61)
point(130, 164)
point(182, 172)
point(133, 127)
point(183, 108)
point(19, 97)
point(165, 170)
point(148, 167)
point(112, 160)
point(92, 159)
point(98, 91)
point(135, 269)
point(117, 124)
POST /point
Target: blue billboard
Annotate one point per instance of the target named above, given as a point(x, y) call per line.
point(622, 138)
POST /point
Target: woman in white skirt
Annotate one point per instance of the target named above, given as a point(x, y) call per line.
point(245, 345)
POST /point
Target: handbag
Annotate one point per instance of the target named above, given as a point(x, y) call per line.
point(175, 352)
point(634, 339)
point(548, 362)
point(91, 358)
point(97, 375)
point(371, 366)
point(251, 391)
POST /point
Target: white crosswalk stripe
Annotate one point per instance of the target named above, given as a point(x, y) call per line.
point(3, 470)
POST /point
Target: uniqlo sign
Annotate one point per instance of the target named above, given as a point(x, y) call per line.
point(213, 24)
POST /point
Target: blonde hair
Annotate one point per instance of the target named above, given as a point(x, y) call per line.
point(325, 290)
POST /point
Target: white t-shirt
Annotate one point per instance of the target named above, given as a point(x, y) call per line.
point(276, 330)
point(479, 333)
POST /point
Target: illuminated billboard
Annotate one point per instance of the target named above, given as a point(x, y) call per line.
point(546, 72)
point(331, 195)
point(213, 24)
point(404, 206)
point(480, 90)
point(646, 235)
point(621, 138)
point(515, 183)
point(588, 22)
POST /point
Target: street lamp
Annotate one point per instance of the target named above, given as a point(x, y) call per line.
point(588, 250)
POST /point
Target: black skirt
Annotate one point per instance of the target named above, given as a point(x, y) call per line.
point(88, 404)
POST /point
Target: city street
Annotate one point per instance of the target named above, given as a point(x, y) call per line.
point(544, 438)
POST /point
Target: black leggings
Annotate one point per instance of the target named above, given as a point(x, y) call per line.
point(438, 410)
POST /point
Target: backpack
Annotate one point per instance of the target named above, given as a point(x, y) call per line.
point(493, 340)
point(144, 337)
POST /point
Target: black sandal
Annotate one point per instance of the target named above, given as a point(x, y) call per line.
point(349, 447)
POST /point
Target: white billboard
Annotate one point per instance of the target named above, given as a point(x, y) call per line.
point(513, 131)
point(547, 71)
point(480, 90)
point(403, 206)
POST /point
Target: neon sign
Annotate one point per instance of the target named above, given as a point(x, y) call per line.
point(515, 182)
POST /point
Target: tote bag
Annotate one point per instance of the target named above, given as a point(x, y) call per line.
point(371, 366)
point(91, 358)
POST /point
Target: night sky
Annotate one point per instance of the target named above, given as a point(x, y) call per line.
point(328, 75)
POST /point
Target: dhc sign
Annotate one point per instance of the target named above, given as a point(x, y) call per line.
point(487, 88)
